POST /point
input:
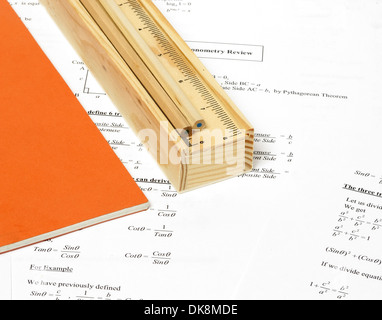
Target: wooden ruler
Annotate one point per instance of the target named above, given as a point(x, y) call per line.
point(159, 62)
point(139, 35)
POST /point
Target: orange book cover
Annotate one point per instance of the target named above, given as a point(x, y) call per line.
point(57, 172)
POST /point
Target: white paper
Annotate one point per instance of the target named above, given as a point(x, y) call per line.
point(5, 277)
point(304, 224)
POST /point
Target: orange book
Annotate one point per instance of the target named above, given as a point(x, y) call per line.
point(57, 172)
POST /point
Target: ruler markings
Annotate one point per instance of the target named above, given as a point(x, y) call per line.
point(172, 52)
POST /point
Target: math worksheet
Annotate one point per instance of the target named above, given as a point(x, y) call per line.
point(305, 223)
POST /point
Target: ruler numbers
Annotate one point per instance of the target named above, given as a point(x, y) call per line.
point(172, 58)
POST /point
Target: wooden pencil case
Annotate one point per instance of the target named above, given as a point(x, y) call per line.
point(196, 133)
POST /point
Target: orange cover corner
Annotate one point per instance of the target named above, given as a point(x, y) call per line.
point(56, 168)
